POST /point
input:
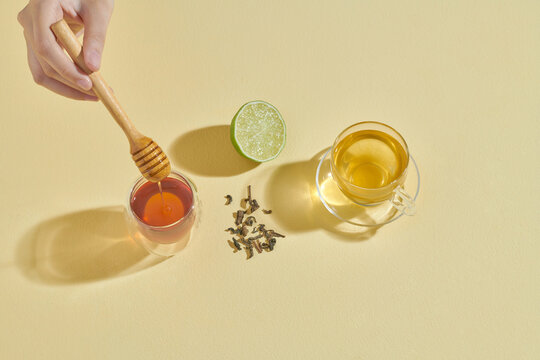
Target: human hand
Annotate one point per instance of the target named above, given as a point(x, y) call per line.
point(50, 65)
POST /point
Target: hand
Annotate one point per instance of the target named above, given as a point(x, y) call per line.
point(50, 65)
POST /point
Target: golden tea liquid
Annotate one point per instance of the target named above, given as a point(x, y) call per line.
point(370, 160)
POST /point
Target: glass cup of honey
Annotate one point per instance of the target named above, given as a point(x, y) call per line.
point(161, 216)
point(369, 162)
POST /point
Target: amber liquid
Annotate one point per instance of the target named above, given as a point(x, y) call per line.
point(369, 159)
point(162, 204)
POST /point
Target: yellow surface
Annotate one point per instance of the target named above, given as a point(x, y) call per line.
point(460, 280)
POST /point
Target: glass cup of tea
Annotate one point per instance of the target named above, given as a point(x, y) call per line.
point(369, 162)
point(161, 216)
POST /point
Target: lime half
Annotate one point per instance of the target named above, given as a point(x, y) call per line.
point(258, 131)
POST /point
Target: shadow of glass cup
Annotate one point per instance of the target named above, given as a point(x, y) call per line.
point(84, 246)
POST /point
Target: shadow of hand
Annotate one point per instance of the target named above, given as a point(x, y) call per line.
point(209, 152)
point(80, 247)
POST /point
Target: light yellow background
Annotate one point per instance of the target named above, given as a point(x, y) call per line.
point(460, 280)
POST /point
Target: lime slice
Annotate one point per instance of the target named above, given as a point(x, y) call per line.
point(258, 131)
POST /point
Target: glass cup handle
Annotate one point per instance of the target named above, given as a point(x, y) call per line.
point(403, 202)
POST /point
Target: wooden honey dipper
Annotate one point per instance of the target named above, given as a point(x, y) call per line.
point(148, 156)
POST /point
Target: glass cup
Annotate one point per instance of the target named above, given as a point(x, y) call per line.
point(386, 152)
point(163, 240)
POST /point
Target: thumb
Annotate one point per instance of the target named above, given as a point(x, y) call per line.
point(95, 16)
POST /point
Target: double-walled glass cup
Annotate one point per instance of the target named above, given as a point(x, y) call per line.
point(169, 239)
point(392, 192)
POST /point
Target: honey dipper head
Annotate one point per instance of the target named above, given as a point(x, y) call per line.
point(152, 162)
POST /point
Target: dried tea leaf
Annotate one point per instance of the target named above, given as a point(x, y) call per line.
point(257, 246)
point(245, 202)
point(233, 231)
point(271, 243)
point(244, 230)
point(254, 237)
point(229, 199)
point(272, 233)
point(239, 217)
point(236, 244)
point(249, 252)
point(267, 211)
point(231, 244)
point(254, 205)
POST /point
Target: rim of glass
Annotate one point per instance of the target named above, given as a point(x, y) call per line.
point(389, 185)
point(141, 180)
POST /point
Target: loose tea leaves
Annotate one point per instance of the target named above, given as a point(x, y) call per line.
point(263, 239)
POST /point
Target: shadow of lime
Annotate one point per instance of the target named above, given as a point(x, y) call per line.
point(85, 246)
point(292, 194)
point(209, 152)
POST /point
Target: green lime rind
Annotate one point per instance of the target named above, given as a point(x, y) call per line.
point(258, 131)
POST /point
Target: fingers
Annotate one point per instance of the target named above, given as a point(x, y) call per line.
point(64, 90)
point(96, 16)
point(50, 72)
point(49, 65)
point(21, 15)
point(44, 43)
point(52, 84)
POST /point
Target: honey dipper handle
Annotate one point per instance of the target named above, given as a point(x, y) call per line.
point(73, 47)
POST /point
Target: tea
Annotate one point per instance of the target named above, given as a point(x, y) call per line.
point(368, 159)
point(163, 204)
